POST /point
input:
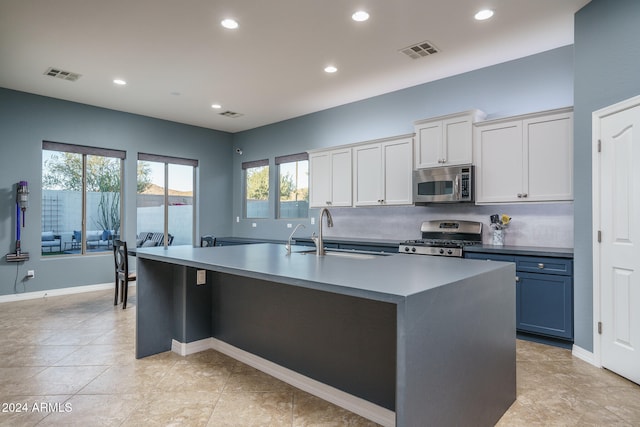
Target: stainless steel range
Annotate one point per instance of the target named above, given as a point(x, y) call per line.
point(444, 238)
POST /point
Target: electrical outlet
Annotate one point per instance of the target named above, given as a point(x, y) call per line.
point(237, 219)
point(313, 220)
point(201, 277)
point(289, 225)
point(254, 225)
point(31, 274)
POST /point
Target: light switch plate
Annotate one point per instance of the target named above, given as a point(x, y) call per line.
point(201, 277)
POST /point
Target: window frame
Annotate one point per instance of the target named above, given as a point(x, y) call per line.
point(245, 167)
point(167, 160)
point(86, 151)
point(290, 158)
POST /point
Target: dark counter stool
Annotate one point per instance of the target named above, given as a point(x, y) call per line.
point(123, 276)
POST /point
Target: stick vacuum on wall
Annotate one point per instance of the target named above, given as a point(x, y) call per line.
point(22, 201)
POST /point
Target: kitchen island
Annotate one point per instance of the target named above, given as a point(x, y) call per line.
point(399, 339)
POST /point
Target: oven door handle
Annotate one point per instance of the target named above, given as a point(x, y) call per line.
point(456, 187)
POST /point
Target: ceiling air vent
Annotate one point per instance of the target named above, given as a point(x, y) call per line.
point(61, 74)
point(231, 114)
point(420, 50)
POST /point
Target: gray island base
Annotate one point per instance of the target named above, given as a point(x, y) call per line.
point(402, 340)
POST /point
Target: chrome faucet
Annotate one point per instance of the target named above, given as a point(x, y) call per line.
point(318, 239)
point(288, 245)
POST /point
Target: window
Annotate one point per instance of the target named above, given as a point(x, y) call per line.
point(81, 198)
point(293, 191)
point(165, 199)
point(256, 194)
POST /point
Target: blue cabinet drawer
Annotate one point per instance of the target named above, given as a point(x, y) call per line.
point(544, 265)
point(490, 257)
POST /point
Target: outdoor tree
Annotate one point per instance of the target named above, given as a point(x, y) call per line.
point(258, 183)
point(63, 171)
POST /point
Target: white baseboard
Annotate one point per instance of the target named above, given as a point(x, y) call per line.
point(347, 401)
point(585, 355)
point(58, 292)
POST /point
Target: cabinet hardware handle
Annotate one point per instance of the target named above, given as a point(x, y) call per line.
point(541, 265)
point(520, 195)
point(517, 279)
point(524, 195)
point(328, 202)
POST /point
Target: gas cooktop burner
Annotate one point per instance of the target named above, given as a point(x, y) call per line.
point(444, 238)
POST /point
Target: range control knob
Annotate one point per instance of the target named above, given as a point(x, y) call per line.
point(441, 251)
point(406, 248)
point(450, 252)
point(413, 249)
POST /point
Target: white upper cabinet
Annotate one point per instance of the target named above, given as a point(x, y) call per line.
point(383, 172)
point(446, 140)
point(330, 178)
point(527, 158)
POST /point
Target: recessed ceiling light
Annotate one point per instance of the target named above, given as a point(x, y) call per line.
point(360, 16)
point(484, 14)
point(330, 69)
point(229, 23)
point(216, 106)
point(119, 82)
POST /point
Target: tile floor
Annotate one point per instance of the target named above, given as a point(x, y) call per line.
point(70, 361)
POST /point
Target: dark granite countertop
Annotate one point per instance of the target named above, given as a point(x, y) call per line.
point(522, 250)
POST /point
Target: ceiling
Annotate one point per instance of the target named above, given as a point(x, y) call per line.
point(178, 60)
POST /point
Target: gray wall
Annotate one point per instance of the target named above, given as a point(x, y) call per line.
point(534, 83)
point(607, 70)
point(26, 120)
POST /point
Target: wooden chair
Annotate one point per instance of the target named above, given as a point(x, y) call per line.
point(206, 241)
point(123, 277)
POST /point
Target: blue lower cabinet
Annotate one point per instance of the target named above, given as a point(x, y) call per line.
point(544, 304)
point(544, 293)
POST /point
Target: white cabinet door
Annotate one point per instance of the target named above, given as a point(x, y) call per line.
point(368, 174)
point(383, 173)
point(526, 159)
point(398, 171)
point(429, 145)
point(499, 157)
point(457, 148)
point(341, 177)
point(548, 144)
point(330, 183)
point(446, 140)
point(320, 179)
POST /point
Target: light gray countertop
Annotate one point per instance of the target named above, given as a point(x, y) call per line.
point(390, 278)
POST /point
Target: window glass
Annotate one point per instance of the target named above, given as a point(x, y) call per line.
point(165, 200)
point(257, 192)
point(293, 199)
point(181, 203)
point(69, 200)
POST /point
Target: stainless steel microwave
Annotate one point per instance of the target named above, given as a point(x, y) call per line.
point(452, 184)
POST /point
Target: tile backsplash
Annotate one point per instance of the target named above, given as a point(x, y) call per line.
point(545, 224)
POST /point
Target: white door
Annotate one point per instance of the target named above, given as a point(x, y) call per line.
point(619, 265)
